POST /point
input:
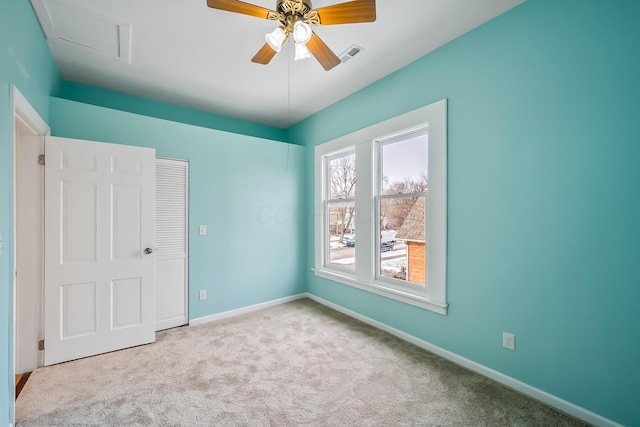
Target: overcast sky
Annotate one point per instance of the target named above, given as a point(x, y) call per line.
point(405, 159)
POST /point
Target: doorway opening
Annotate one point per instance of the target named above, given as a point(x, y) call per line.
point(29, 133)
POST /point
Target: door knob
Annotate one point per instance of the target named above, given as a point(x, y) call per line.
point(148, 251)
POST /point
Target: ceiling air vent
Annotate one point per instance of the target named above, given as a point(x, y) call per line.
point(350, 53)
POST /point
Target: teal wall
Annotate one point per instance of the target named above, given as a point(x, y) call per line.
point(135, 104)
point(246, 190)
point(27, 63)
point(543, 211)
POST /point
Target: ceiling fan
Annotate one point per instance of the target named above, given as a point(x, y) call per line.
point(296, 18)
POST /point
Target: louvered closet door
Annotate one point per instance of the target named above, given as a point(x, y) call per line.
point(172, 196)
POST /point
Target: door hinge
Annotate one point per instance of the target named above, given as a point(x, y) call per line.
point(41, 159)
point(41, 345)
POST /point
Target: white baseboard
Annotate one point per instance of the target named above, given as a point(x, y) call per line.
point(244, 310)
point(549, 399)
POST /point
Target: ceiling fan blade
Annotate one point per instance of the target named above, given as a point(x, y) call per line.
point(239, 7)
point(322, 53)
point(264, 55)
point(348, 13)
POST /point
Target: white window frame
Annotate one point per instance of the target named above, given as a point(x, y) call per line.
point(365, 142)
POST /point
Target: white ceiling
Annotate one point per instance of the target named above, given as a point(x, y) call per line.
point(185, 53)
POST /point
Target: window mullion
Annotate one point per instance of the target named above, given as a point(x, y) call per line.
point(365, 249)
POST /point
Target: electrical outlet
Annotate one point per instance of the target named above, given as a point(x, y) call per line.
point(508, 341)
point(203, 295)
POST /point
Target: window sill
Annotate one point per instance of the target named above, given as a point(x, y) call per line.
point(385, 291)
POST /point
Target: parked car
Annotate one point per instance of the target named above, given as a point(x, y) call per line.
point(351, 242)
point(386, 246)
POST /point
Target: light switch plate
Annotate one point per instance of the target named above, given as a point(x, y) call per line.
point(202, 230)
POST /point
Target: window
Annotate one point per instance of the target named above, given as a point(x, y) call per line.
point(340, 210)
point(382, 222)
point(400, 207)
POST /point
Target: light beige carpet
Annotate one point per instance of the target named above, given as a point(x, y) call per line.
point(295, 364)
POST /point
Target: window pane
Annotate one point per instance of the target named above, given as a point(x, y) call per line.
point(402, 231)
point(341, 237)
point(342, 177)
point(404, 166)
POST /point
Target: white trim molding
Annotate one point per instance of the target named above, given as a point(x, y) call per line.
point(23, 111)
point(245, 310)
point(535, 393)
point(27, 114)
point(385, 291)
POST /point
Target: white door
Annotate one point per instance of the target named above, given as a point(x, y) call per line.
point(172, 197)
point(99, 239)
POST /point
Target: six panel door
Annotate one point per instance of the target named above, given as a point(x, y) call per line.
point(99, 238)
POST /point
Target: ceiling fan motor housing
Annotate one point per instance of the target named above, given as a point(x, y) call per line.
point(291, 7)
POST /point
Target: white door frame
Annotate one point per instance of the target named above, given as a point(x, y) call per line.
point(26, 114)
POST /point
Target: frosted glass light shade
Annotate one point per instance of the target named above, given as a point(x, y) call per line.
point(301, 32)
point(276, 38)
point(302, 52)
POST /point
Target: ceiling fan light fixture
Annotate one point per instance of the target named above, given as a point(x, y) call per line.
point(302, 32)
point(302, 52)
point(296, 18)
point(276, 38)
